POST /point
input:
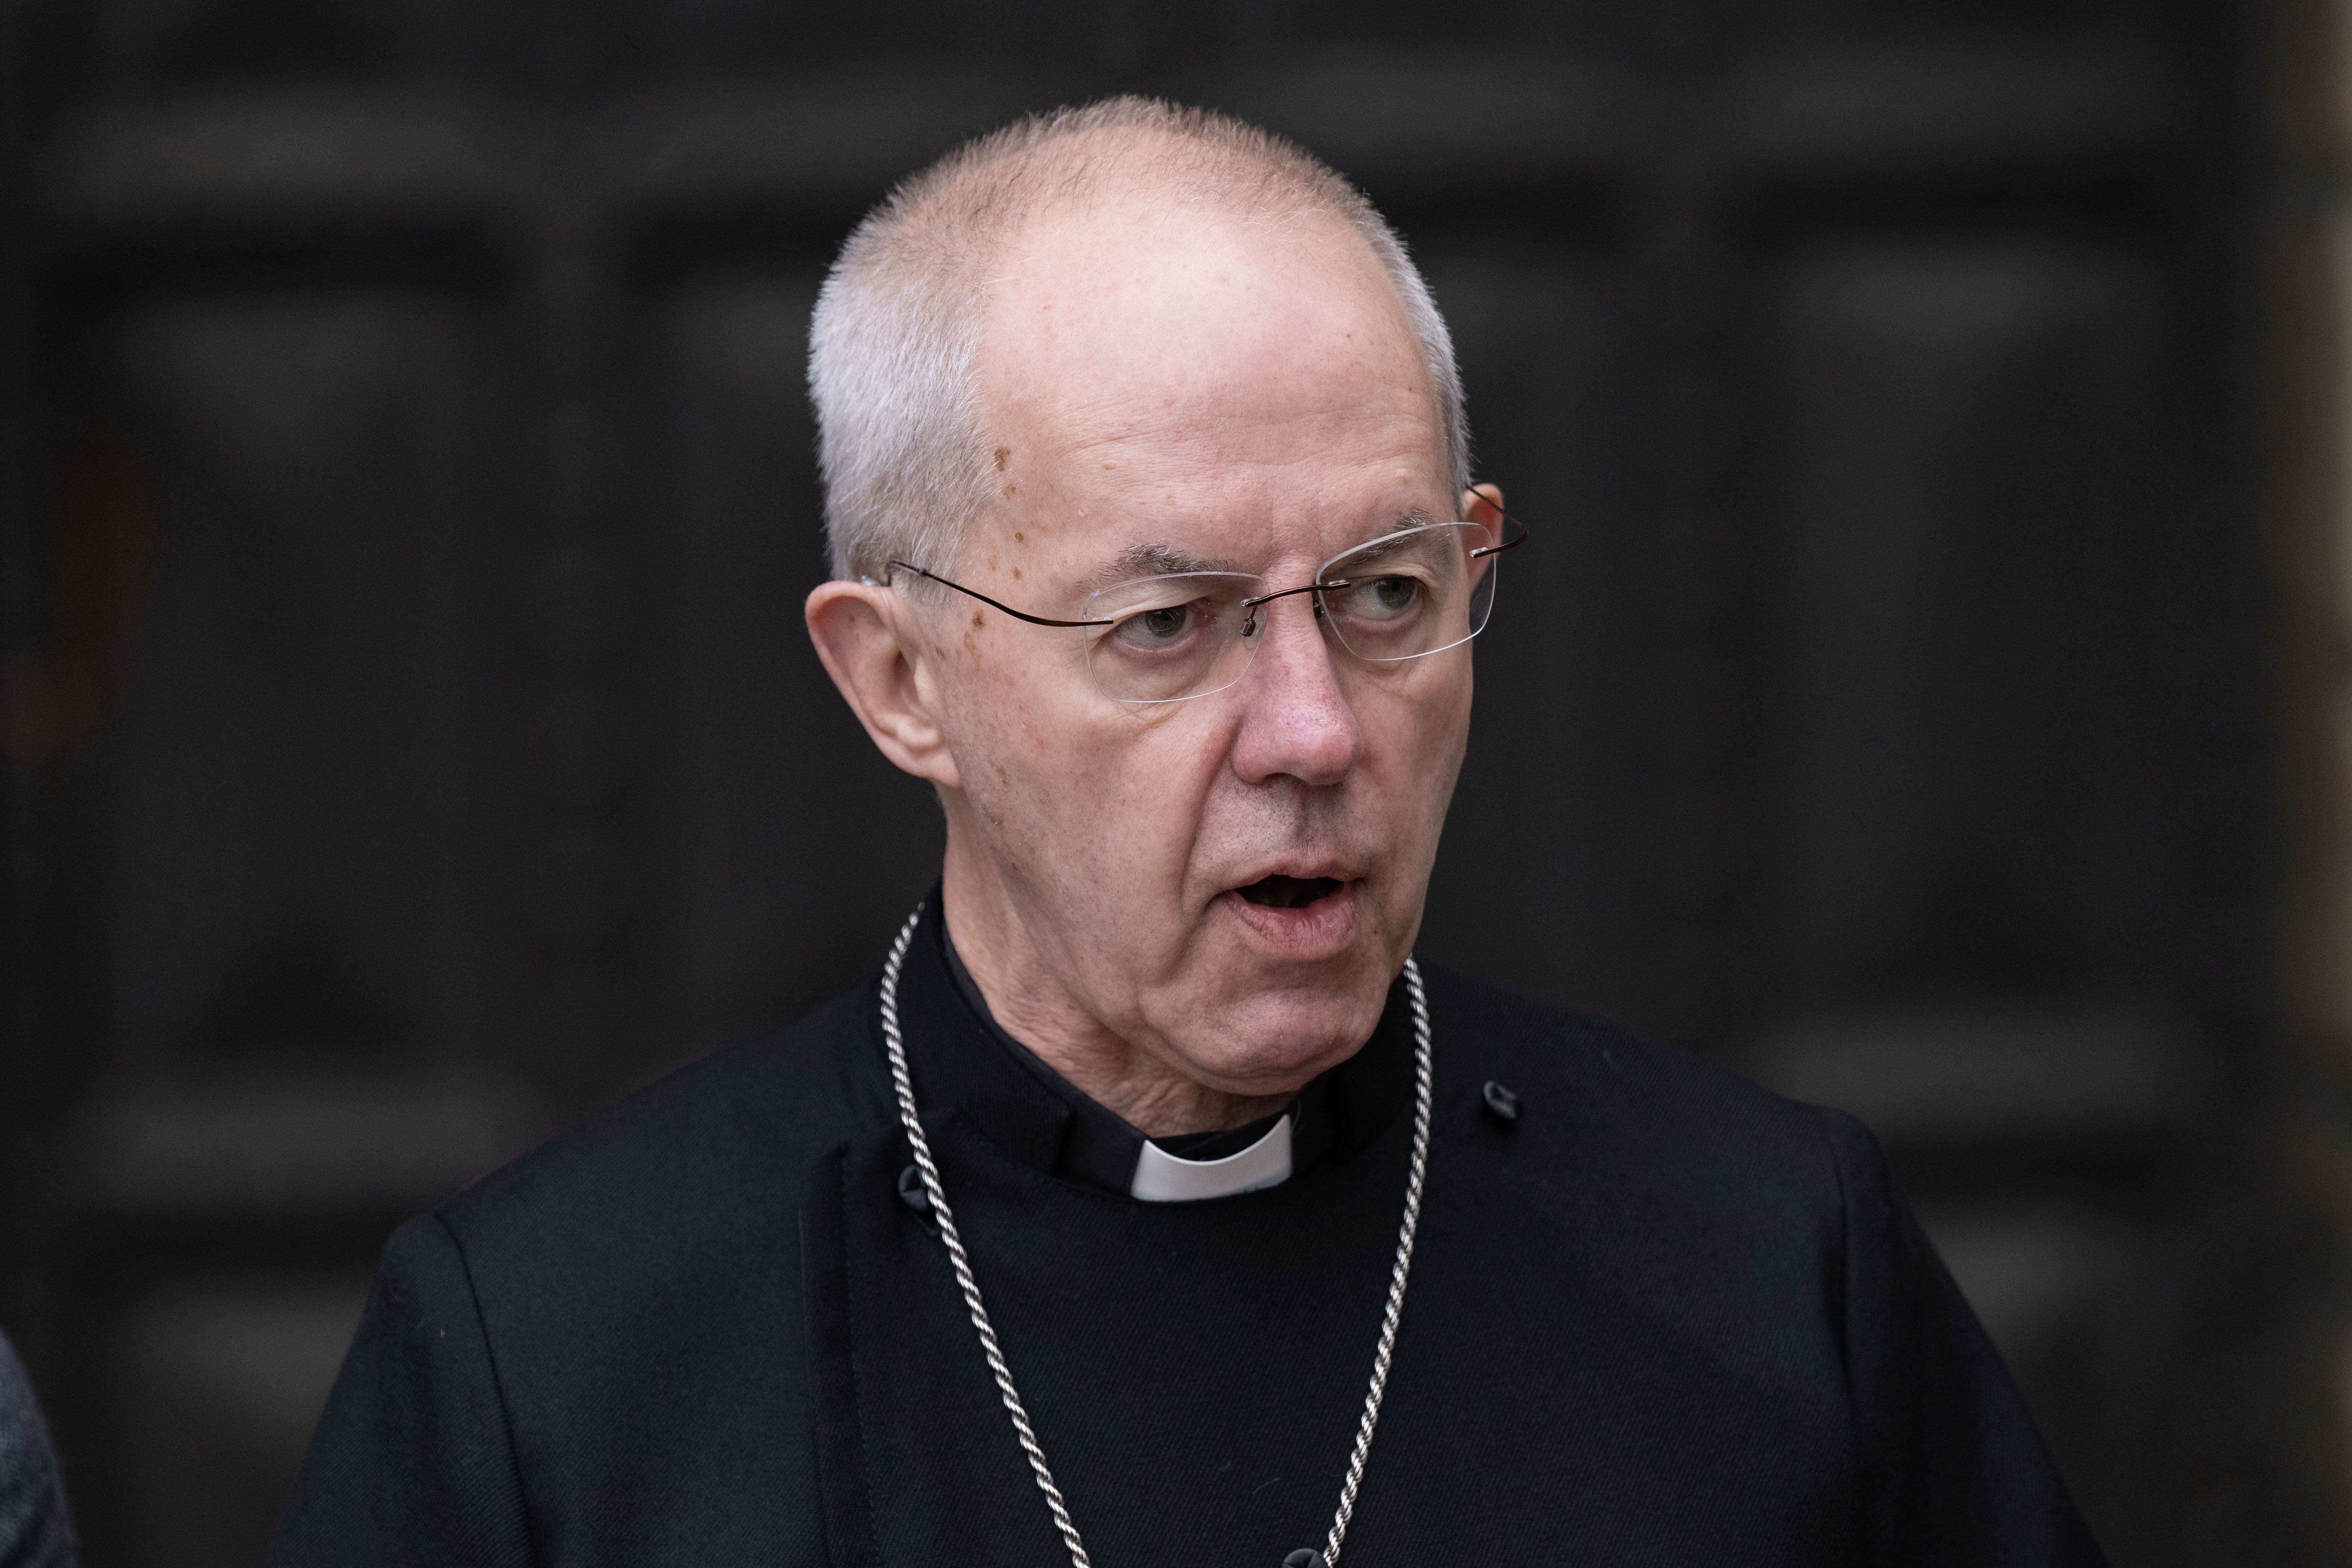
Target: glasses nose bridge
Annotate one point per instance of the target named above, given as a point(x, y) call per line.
point(1254, 607)
point(1257, 611)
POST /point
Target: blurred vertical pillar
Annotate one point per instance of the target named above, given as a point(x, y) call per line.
point(2307, 460)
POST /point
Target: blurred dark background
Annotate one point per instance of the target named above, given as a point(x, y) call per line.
point(411, 743)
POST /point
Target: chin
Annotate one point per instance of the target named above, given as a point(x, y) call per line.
point(1275, 1041)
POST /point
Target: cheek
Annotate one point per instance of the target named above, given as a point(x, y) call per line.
point(993, 715)
point(1418, 737)
point(1098, 796)
point(1142, 797)
point(1414, 751)
point(1171, 782)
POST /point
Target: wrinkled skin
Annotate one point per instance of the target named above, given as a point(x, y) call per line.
point(1240, 393)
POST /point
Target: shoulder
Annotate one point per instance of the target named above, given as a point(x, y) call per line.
point(683, 1166)
point(1645, 1116)
point(638, 1273)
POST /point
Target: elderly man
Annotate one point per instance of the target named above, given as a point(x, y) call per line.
point(1152, 1202)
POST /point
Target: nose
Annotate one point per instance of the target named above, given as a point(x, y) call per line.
point(1296, 721)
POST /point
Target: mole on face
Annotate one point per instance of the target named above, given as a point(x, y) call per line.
point(1002, 454)
point(1019, 538)
point(1012, 490)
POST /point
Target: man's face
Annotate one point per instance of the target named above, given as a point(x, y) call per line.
point(1246, 395)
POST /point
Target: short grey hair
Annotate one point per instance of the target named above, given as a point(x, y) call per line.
point(896, 329)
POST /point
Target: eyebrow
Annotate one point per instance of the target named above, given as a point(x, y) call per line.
point(1403, 523)
point(1166, 561)
point(1155, 561)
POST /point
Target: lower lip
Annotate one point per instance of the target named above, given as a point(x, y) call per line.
point(1320, 929)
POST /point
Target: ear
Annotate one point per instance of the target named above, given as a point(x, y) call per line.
point(1483, 504)
point(876, 656)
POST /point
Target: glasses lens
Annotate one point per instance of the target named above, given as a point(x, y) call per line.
point(1412, 593)
point(1169, 638)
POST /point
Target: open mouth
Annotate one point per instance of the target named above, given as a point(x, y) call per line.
point(1288, 892)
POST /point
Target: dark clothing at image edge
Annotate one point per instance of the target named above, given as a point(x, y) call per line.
point(36, 1532)
point(1662, 1317)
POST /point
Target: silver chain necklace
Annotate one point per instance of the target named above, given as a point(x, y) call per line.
point(957, 1255)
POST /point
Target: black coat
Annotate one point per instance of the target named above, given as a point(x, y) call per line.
point(34, 1529)
point(1664, 1318)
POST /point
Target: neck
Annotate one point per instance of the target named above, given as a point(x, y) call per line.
point(1035, 1007)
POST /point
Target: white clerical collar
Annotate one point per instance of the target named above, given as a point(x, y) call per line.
point(1163, 1178)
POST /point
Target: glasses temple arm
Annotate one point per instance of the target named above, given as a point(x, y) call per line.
point(991, 603)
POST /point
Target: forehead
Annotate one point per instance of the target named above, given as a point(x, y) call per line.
point(1173, 351)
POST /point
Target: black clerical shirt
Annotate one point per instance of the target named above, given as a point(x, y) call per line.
point(1661, 1318)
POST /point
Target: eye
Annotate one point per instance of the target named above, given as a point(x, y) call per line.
point(1155, 628)
point(1385, 598)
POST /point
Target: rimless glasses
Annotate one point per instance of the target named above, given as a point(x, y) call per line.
point(1178, 634)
